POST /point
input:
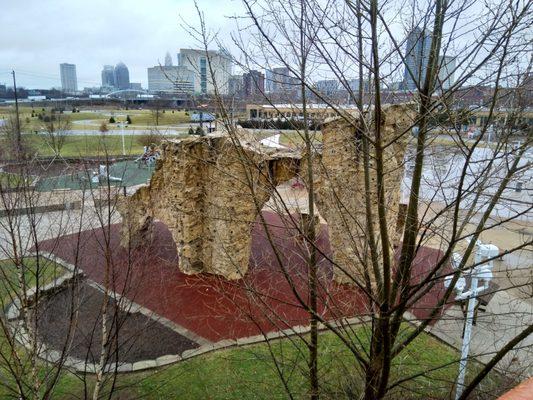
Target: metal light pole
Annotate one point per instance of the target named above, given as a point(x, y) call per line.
point(468, 334)
point(480, 271)
point(123, 143)
point(18, 136)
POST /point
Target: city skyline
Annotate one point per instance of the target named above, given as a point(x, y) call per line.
point(91, 39)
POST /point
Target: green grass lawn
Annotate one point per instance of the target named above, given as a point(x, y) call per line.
point(147, 117)
point(43, 272)
point(92, 120)
point(8, 180)
point(85, 145)
point(250, 373)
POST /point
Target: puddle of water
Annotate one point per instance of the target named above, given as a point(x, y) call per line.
point(443, 169)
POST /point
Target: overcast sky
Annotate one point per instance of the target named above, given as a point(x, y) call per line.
point(37, 35)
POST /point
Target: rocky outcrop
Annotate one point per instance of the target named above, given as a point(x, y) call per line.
point(340, 187)
point(208, 192)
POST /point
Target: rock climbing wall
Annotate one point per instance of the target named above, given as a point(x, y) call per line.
point(208, 192)
point(340, 188)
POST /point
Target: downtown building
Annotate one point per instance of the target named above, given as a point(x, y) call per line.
point(108, 76)
point(171, 79)
point(327, 87)
point(416, 58)
point(417, 52)
point(121, 76)
point(253, 83)
point(199, 62)
point(281, 85)
point(279, 80)
point(236, 85)
point(445, 78)
point(69, 80)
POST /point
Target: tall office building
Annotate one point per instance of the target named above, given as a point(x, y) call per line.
point(353, 84)
point(235, 85)
point(122, 76)
point(327, 87)
point(171, 79)
point(69, 81)
point(168, 60)
point(416, 58)
point(279, 80)
point(254, 83)
point(445, 78)
point(198, 62)
point(269, 80)
point(108, 76)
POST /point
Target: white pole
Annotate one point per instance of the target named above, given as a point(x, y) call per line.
point(123, 144)
point(468, 331)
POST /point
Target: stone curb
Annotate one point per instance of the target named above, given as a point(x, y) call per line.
point(206, 346)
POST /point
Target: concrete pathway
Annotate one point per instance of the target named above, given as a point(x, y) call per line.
point(505, 317)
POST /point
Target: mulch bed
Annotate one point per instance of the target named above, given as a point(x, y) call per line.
point(136, 336)
point(215, 308)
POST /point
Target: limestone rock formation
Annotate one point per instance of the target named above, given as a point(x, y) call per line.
point(208, 192)
point(340, 187)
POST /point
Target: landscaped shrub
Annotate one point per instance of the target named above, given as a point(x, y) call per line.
point(153, 138)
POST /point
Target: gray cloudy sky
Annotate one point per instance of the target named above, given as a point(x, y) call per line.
point(38, 35)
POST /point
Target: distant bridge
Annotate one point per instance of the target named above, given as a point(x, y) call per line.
point(129, 94)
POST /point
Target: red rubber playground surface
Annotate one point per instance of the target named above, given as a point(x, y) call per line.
point(213, 307)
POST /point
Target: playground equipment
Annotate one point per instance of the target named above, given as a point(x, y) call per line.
point(150, 155)
point(103, 175)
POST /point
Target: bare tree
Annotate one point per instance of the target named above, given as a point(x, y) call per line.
point(362, 39)
point(56, 130)
point(9, 130)
point(156, 111)
point(48, 330)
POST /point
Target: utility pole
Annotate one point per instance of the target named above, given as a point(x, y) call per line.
point(121, 125)
point(18, 138)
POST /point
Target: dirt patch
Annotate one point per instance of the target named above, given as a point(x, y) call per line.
point(133, 336)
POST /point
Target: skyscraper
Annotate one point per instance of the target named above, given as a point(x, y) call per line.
point(416, 58)
point(172, 79)
point(254, 83)
point(198, 61)
point(108, 76)
point(69, 81)
point(235, 85)
point(327, 87)
point(445, 78)
point(168, 60)
point(122, 76)
point(277, 80)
